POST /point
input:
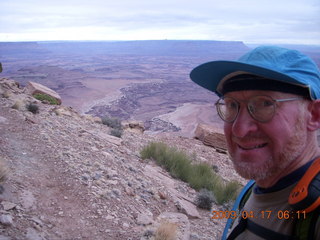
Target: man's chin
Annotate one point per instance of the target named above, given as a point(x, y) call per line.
point(252, 171)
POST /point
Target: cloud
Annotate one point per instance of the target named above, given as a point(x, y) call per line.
point(252, 21)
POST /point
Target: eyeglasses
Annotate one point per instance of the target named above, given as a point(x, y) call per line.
point(260, 108)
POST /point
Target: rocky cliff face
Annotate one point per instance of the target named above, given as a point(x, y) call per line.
point(70, 179)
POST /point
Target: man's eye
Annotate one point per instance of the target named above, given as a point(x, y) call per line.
point(266, 103)
point(232, 105)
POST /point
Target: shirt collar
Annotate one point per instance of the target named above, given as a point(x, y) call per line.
point(285, 181)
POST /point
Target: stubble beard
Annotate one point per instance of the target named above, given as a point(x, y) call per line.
point(272, 167)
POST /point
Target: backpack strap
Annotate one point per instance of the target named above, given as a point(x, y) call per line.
point(242, 225)
point(305, 196)
point(244, 194)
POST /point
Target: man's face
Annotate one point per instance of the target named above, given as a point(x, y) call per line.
point(260, 150)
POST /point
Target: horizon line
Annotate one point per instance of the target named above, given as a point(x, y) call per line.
point(141, 40)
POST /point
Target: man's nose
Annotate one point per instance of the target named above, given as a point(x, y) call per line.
point(243, 124)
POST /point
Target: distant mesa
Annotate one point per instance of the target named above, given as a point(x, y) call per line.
point(142, 47)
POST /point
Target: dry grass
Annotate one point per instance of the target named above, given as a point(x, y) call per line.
point(166, 231)
point(4, 171)
point(18, 105)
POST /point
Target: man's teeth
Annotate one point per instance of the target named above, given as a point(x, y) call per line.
point(254, 147)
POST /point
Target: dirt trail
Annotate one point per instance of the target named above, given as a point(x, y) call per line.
point(56, 202)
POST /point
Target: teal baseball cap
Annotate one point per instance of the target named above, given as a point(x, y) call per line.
point(277, 64)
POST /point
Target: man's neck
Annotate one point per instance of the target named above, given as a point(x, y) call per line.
point(302, 160)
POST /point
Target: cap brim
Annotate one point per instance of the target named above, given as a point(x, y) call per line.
point(211, 75)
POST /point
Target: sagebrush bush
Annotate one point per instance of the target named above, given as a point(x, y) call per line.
point(116, 132)
point(199, 176)
point(31, 107)
point(203, 177)
point(46, 98)
point(111, 122)
point(205, 199)
point(226, 191)
point(114, 124)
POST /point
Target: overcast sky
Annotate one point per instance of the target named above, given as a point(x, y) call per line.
point(251, 21)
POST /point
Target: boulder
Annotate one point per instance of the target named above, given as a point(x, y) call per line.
point(133, 126)
point(187, 207)
point(211, 136)
point(35, 88)
point(145, 218)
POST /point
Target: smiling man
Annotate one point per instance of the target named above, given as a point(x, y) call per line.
point(270, 105)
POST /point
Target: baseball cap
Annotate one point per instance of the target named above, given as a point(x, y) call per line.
point(277, 64)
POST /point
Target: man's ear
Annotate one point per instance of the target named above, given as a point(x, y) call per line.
point(314, 110)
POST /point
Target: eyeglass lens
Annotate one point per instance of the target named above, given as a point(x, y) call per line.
point(261, 108)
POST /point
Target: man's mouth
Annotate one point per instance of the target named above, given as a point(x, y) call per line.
point(252, 147)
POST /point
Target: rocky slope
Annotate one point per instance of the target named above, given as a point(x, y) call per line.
point(70, 179)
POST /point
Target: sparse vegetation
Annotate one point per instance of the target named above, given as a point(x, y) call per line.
point(18, 105)
point(31, 107)
point(111, 122)
point(46, 98)
point(166, 231)
point(3, 171)
point(226, 191)
point(114, 124)
point(116, 132)
point(199, 176)
point(204, 199)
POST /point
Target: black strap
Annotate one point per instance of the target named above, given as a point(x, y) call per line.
point(242, 225)
point(258, 230)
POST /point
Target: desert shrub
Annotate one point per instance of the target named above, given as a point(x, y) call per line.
point(203, 177)
point(116, 132)
point(226, 191)
point(111, 122)
point(46, 98)
point(114, 124)
point(4, 171)
point(204, 199)
point(18, 105)
point(166, 231)
point(174, 161)
point(199, 176)
point(31, 107)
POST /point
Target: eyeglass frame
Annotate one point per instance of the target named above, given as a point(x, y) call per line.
point(217, 104)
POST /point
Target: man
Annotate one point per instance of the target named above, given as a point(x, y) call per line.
point(270, 105)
